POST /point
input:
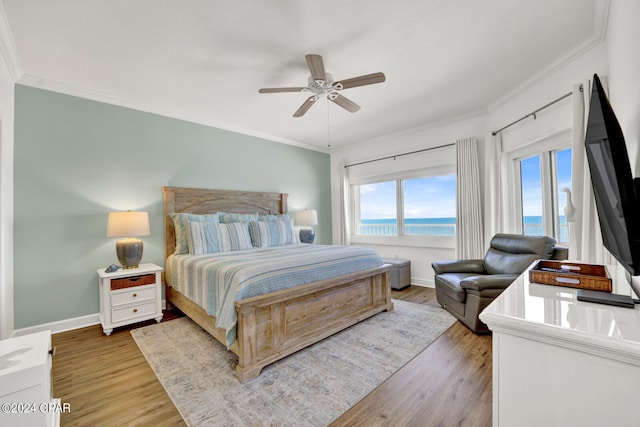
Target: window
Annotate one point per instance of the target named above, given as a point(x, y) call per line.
point(563, 183)
point(531, 203)
point(544, 179)
point(421, 206)
point(377, 209)
point(430, 206)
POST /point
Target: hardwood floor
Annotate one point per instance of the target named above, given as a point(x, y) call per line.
point(108, 382)
point(448, 384)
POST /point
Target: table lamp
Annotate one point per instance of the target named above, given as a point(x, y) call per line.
point(130, 225)
point(307, 217)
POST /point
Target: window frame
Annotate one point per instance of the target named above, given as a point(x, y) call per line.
point(546, 149)
point(400, 239)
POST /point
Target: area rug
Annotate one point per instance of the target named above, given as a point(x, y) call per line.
point(312, 387)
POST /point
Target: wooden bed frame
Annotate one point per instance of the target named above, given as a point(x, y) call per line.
point(275, 325)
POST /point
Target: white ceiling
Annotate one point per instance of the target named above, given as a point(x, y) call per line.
point(204, 60)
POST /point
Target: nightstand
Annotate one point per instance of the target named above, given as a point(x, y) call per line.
point(129, 296)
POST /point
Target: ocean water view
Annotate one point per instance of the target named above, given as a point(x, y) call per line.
point(446, 227)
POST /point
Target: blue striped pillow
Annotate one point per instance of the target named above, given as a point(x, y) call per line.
point(206, 238)
point(181, 226)
point(272, 233)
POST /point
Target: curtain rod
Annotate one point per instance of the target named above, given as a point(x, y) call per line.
point(534, 112)
point(399, 155)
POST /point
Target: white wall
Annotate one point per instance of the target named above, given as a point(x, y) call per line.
point(6, 199)
point(403, 142)
point(511, 107)
point(556, 84)
point(623, 43)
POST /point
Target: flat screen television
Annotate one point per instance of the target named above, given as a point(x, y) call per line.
point(617, 194)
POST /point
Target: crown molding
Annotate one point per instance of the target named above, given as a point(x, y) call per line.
point(98, 96)
point(8, 47)
point(477, 114)
point(598, 35)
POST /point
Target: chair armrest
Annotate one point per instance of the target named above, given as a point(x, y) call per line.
point(459, 266)
point(560, 253)
point(489, 281)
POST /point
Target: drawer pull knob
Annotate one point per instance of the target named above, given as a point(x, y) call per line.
point(135, 310)
point(135, 295)
point(52, 351)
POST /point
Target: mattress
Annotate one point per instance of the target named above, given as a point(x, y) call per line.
point(216, 281)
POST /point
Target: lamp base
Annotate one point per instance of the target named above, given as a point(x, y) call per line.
point(129, 252)
point(307, 235)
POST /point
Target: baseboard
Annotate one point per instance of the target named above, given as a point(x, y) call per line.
point(61, 325)
point(66, 325)
point(423, 282)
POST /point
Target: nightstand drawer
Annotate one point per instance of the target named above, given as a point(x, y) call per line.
point(133, 295)
point(131, 312)
point(129, 282)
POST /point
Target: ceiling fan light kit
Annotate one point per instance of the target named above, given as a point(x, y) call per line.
point(322, 84)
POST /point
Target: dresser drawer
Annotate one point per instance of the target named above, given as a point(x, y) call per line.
point(133, 311)
point(133, 295)
point(129, 282)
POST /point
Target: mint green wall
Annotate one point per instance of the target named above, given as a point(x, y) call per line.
point(75, 160)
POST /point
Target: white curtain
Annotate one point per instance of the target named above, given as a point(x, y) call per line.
point(344, 232)
point(470, 243)
point(494, 216)
point(585, 239)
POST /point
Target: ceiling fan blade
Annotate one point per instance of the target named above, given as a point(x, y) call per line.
point(305, 106)
point(367, 79)
point(316, 66)
point(345, 103)
point(281, 89)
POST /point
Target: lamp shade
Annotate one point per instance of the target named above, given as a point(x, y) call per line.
point(128, 224)
point(307, 217)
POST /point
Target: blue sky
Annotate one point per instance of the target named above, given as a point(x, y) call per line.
point(433, 197)
point(531, 187)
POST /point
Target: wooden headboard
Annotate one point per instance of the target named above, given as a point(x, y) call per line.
point(203, 201)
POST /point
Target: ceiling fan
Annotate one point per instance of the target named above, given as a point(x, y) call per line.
point(321, 84)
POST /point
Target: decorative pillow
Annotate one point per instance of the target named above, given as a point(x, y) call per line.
point(206, 238)
point(272, 233)
point(279, 217)
point(202, 240)
point(181, 225)
point(226, 217)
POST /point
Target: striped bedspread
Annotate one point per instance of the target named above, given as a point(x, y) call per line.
point(216, 281)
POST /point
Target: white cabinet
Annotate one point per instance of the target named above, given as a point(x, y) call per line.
point(129, 295)
point(558, 361)
point(25, 382)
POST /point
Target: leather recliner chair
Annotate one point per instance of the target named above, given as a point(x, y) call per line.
point(466, 287)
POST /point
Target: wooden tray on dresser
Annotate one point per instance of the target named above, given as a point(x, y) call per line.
point(573, 275)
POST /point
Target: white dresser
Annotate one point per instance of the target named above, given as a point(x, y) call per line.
point(25, 382)
point(558, 361)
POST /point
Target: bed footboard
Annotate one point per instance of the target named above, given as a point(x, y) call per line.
point(275, 325)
